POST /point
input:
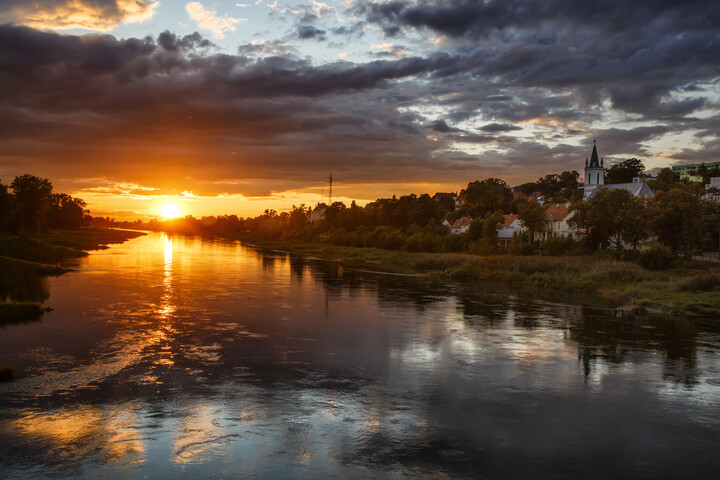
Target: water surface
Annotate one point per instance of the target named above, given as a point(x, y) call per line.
point(181, 356)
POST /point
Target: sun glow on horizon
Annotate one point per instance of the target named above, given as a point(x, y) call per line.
point(170, 210)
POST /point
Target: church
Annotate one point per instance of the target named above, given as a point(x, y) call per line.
point(595, 179)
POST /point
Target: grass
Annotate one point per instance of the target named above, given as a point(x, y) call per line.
point(691, 288)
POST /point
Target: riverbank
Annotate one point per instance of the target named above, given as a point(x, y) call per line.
point(689, 288)
point(24, 261)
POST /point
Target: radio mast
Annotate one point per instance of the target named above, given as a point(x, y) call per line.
point(330, 179)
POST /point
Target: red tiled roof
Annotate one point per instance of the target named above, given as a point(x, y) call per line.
point(556, 212)
point(462, 222)
point(509, 219)
point(517, 195)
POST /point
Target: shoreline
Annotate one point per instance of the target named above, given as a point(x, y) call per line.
point(26, 262)
point(589, 281)
point(31, 259)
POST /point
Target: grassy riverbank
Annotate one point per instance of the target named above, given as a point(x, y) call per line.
point(584, 280)
point(24, 260)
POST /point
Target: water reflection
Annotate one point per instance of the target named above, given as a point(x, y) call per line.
point(189, 356)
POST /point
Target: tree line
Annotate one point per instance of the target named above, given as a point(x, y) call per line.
point(677, 217)
point(28, 205)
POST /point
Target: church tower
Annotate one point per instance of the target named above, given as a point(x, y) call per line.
point(594, 172)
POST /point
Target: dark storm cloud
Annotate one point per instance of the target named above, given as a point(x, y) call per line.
point(309, 32)
point(98, 106)
point(479, 18)
point(441, 126)
point(631, 141)
point(161, 108)
point(636, 54)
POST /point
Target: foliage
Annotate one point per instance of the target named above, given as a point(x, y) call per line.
point(666, 179)
point(5, 206)
point(557, 188)
point(612, 215)
point(32, 207)
point(676, 217)
point(701, 283)
point(556, 246)
point(32, 195)
point(656, 258)
point(532, 216)
point(624, 172)
point(484, 196)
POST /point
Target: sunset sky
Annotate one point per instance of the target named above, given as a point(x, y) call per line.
point(234, 107)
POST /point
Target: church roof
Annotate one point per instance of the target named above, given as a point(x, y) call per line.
point(594, 161)
point(637, 189)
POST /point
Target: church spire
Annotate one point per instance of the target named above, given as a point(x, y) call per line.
point(594, 160)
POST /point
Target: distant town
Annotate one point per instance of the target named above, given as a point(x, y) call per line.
point(619, 208)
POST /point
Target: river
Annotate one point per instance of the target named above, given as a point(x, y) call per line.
point(174, 357)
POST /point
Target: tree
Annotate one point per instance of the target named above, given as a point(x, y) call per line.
point(5, 206)
point(666, 179)
point(624, 172)
point(532, 216)
point(677, 217)
point(489, 195)
point(65, 211)
point(32, 196)
point(614, 216)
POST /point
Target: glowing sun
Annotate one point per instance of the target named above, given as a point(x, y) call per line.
point(170, 211)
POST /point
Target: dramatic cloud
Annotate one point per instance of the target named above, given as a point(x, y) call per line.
point(463, 90)
point(100, 15)
point(208, 19)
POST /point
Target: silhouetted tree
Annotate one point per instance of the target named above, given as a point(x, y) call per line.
point(5, 206)
point(32, 195)
point(532, 216)
point(65, 211)
point(624, 172)
point(483, 196)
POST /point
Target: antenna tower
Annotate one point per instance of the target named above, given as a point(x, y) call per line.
point(330, 179)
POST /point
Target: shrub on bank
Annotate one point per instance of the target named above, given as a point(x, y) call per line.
point(556, 246)
point(656, 258)
point(701, 283)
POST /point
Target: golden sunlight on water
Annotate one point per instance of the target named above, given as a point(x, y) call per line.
point(172, 356)
point(74, 432)
point(166, 308)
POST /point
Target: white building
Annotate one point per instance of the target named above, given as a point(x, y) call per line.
point(595, 181)
point(461, 225)
point(594, 173)
point(511, 225)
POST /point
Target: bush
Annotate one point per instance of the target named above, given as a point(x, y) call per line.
point(526, 249)
point(656, 258)
point(556, 246)
point(423, 242)
point(701, 283)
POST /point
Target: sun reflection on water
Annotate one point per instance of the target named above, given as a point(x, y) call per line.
point(166, 307)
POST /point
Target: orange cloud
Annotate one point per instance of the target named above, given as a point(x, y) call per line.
point(100, 16)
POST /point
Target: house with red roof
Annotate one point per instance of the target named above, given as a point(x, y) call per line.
point(510, 227)
point(557, 224)
point(461, 225)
